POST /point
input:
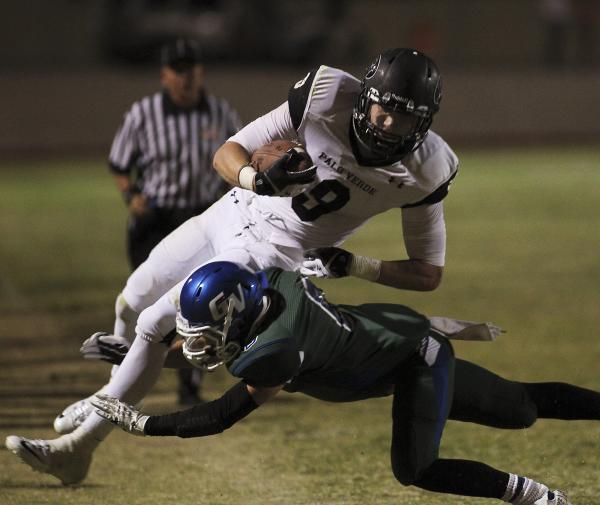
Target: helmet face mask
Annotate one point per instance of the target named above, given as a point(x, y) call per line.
point(220, 305)
point(399, 95)
point(390, 123)
point(206, 347)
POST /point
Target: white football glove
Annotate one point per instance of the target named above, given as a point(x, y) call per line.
point(314, 268)
point(458, 329)
point(105, 347)
point(124, 416)
point(326, 263)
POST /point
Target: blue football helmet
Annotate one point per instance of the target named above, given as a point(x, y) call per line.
point(220, 304)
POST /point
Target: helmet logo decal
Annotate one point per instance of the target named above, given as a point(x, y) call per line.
point(373, 68)
point(395, 100)
point(301, 82)
point(251, 343)
point(219, 304)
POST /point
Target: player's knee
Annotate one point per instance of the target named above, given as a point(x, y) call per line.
point(125, 319)
point(526, 415)
point(156, 323)
point(519, 409)
point(123, 310)
point(405, 472)
point(147, 327)
point(530, 417)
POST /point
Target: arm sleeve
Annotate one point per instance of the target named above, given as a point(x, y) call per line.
point(206, 419)
point(276, 124)
point(125, 147)
point(269, 362)
point(424, 231)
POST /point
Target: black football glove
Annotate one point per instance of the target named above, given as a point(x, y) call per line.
point(105, 347)
point(277, 180)
point(326, 262)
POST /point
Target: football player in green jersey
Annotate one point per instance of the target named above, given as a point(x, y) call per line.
point(275, 331)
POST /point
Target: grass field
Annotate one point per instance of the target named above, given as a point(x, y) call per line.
point(524, 236)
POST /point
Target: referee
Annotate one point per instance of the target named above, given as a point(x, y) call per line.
point(161, 159)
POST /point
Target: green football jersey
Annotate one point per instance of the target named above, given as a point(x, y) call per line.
point(331, 352)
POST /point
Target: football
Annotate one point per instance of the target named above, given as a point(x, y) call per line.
point(264, 157)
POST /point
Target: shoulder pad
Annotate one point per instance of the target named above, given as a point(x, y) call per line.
point(298, 97)
point(267, 364)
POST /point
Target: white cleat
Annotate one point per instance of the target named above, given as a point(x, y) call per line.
point(74, 415)
point(555, 497)
point(45, 456)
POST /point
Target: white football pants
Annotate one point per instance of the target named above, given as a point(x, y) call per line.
point(229, 230)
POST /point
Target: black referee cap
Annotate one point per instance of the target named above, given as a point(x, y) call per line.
point(180, 52)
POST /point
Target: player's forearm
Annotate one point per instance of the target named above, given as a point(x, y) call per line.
point(334, 262)
point(206, 419)
point(411, 274)
point(228, 161)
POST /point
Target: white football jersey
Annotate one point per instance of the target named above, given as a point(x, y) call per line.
point(344, 194)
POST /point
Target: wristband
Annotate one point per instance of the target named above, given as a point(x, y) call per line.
point(246, 177)
point(365, 267)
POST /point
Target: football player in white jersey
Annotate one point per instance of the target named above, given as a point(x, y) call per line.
point(372, 150)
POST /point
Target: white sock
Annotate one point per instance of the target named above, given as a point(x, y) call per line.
point(523, 491)
point(138, 372)
point(134, 379)
point(81, 440)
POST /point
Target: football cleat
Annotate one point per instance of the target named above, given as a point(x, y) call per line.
point(52, 457)
point(555, 497)
point(74, 415)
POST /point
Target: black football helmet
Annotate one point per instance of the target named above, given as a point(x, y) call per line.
point(405, 84)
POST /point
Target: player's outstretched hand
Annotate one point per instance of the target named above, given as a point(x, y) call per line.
point(105, 347)
point(124, 416)
point(326, 262)
point(282, 178)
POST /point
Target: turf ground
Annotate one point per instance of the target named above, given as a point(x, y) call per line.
point(524, 236)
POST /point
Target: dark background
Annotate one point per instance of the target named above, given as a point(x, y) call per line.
point(515, 71)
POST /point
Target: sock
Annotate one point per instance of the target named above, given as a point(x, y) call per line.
point(134, 379)
point(463, 477)
point(523, 491)
point(138, 372)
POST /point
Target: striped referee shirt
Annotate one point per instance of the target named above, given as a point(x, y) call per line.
point(170, 150)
